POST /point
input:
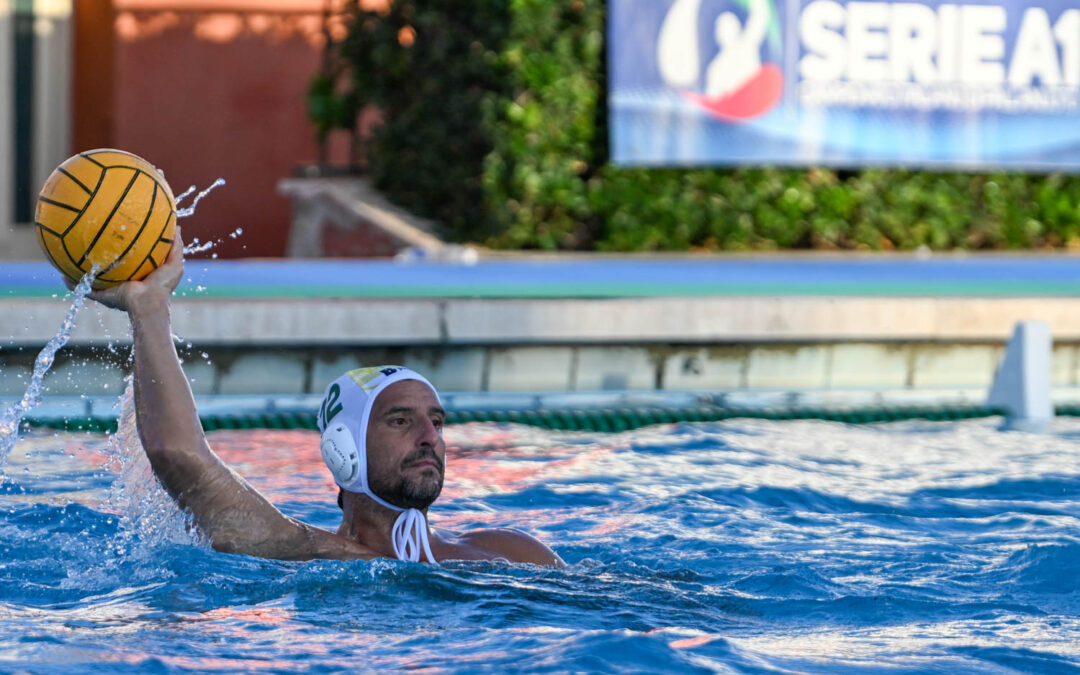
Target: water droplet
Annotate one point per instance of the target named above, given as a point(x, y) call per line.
point(184, 213)
point(184, 195)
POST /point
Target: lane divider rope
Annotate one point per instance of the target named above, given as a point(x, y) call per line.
point(583, 419)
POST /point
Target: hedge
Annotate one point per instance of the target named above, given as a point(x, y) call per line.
point(496, 126)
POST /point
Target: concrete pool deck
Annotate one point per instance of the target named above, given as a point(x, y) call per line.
point(532, 325)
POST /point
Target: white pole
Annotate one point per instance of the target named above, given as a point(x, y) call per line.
point(7, 120)
point(52, 86)
point(1022, 384)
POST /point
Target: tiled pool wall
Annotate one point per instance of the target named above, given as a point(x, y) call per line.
point(98, 371)
point(283, 346)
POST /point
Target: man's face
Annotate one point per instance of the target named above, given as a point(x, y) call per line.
point(405, 448)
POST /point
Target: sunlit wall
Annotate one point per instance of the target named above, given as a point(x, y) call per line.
point(206, 89)
point(201, 88)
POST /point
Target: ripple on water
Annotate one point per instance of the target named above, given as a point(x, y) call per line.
point(743, 546)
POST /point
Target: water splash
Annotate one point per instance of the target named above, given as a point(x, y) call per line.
point(12, 418)
point(147, 521)
point(190, 210)
point(184, 195)
point(197, 246)
point(149, 517)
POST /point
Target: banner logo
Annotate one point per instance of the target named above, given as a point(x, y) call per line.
point(736, 83)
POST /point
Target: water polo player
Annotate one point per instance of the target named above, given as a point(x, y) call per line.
point(381, 438)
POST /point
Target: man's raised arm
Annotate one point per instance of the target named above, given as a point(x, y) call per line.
point(225, 507)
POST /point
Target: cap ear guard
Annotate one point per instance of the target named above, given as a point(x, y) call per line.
point(339, 452)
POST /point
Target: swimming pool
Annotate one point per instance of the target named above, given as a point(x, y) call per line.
point(743, 546)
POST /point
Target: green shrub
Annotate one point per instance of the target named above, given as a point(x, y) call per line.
point(496, 126)
point(430, 66)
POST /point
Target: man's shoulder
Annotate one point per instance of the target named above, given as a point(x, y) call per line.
point(510, 544)
point(316, 542)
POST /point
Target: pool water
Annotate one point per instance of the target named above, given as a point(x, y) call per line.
point(744, 546)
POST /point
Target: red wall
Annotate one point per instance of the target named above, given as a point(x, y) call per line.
point(203, 91)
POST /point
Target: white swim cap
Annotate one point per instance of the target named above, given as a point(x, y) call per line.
point(347, 407)
point(343, 421)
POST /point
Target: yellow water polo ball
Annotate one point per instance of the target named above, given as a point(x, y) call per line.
point(106, 208)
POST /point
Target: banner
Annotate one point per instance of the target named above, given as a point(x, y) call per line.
point(823, 82)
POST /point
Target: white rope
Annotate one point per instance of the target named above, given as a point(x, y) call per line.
point(409, 534)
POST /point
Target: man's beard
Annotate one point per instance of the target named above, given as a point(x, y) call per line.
point(407, 492)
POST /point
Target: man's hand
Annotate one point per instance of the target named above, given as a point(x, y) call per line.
point(158, 285)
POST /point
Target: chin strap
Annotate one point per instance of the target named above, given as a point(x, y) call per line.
point(409, 534)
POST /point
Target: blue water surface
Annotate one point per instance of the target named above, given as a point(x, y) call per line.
point(744, 547)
